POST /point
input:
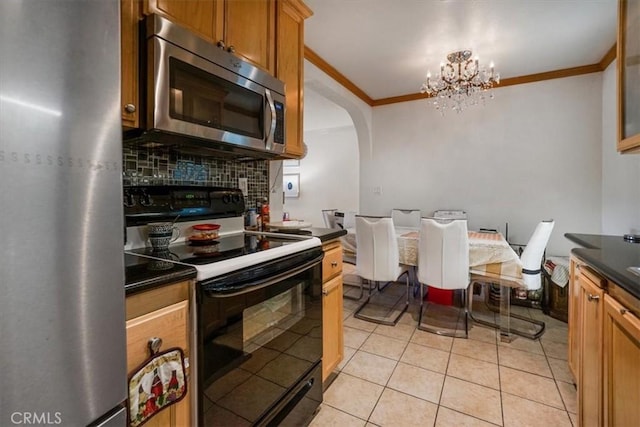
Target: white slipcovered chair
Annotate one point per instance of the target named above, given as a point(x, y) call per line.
point(443, 263)
point(377, 260)
point(409, 218)
point(328, 215)
point(531, 259)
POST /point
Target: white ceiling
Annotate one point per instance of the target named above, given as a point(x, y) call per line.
point(386, 47)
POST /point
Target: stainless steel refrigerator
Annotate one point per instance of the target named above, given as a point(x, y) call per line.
point(62, 327)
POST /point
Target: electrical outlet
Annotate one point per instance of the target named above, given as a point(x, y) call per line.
point(244, 186)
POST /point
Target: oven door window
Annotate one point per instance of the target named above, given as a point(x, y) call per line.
point(199, 97)
point(260, 349)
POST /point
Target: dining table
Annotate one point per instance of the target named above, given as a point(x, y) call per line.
point(491, 260)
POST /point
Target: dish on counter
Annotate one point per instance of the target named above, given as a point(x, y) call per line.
point(204, 232)
point(290, 225)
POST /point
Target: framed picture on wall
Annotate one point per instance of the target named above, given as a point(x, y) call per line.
point(291, 184)
point(628, 61)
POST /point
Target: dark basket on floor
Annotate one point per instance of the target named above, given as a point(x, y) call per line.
point(555, 299)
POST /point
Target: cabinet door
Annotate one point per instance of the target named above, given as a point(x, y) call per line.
point(171, 325)
point(621, 365)
point(200, 16)
point(129, 17)
point(332, 333)
point(249, 28)
point(290, 41)
point(590, 373)
point(574, 317)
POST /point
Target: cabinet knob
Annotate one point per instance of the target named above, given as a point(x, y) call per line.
point(231, 49)
point(623, 311)
point(221, 44)
point(593, 297)
point(325, 292)
point(154, 344)
point(334, 263)
point(130, 108)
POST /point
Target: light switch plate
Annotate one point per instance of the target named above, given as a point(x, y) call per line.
point(244, 186)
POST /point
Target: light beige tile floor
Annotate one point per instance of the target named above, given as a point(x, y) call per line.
point(401, 376)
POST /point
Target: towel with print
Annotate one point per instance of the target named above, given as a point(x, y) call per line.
point(157, 384)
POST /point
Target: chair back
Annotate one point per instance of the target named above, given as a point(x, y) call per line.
point(449, 214)
point(377, 257)
point(329, 217)
point(443, 253)
point(345, 219)
point(531, 257)
point(406, 218)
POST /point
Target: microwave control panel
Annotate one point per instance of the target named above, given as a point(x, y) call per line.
point(278, 136)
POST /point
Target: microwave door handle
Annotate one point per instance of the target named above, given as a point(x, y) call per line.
point(272, 109)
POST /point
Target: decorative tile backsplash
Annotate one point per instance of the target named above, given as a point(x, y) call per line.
point(146, 166)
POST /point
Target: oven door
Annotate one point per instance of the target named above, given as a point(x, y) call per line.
point(189, 95)
point(260, 343)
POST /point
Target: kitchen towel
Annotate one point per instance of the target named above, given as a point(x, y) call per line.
point(156, 384)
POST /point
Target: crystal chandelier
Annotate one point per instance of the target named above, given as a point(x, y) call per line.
point(461, 83)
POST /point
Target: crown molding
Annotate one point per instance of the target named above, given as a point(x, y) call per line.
point(316, 60)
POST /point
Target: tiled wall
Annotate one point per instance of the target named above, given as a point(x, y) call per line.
point(153, 167)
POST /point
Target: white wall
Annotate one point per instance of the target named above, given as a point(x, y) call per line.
point(532, 153)
point(329, 175)
point(620, 173)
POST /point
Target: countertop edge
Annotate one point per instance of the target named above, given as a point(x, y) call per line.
point(158, 281)
point(324, 234)
point(593, 255)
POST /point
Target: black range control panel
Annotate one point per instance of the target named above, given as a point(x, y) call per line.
point(150, 203)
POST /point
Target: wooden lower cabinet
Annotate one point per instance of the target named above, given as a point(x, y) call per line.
point(162, 313)
point(574, 317)
point(621, 365)
point(604, 349)
point(591, 346)
point(332, 311)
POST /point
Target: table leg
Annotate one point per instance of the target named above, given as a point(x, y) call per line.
point(505, 314)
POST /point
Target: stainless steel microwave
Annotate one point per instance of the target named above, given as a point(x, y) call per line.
point(204, 99)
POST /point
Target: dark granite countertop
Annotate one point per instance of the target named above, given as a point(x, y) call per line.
point(610, 256)
point(324, 234)
point(145, 273)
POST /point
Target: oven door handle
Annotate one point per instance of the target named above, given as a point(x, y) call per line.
point(250, 287)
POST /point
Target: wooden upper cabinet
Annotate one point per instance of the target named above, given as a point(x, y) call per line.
point(249, 29)
point(200, 16)
point(246, 27)
point(129, 17)
point(290, 66)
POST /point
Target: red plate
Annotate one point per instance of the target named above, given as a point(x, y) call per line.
point(206, 227)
